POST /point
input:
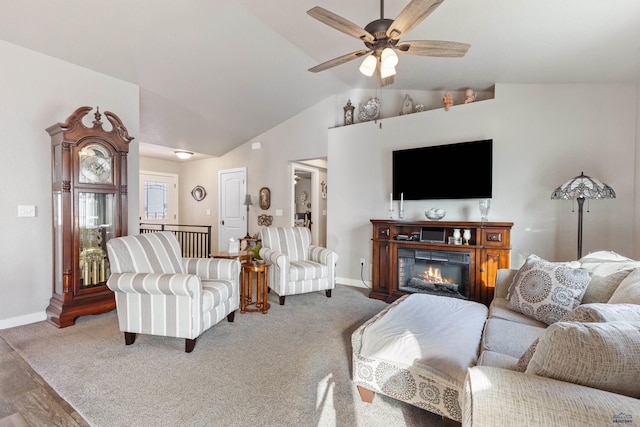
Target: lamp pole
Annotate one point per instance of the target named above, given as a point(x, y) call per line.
point(247, 202)
point(580, 203)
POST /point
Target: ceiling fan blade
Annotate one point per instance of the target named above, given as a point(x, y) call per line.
point(433, 48)
point(411, 15)
point(339, 60)
point(339, 23)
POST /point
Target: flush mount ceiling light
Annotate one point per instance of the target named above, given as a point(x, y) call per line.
point(182, 154)
point(382, 39)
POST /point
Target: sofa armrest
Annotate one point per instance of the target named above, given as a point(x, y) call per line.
point(494, 397)
point(187, 285)
point(504, 277)
point(213, 268)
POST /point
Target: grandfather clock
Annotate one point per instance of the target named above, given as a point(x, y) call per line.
point(89, 184)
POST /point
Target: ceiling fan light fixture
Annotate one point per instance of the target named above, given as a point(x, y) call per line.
point(368, 66)
point(387, 72)
point(388, 58)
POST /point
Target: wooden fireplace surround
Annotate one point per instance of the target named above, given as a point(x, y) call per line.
point(489, 247)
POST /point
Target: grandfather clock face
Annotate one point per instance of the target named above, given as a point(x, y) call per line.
point(96, 165)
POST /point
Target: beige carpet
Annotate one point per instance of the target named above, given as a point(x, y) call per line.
point(290, 367)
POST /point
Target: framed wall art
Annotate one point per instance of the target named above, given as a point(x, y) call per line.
point(198, 192)
point(265, 198)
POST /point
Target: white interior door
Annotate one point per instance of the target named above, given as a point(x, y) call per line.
point(158, 197)
point(231, 212)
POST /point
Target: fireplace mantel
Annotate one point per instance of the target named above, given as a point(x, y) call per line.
point(489, 249)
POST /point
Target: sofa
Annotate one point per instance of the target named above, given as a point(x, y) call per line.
point(559, 345)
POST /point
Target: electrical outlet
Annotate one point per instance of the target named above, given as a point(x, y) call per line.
point(362, 262)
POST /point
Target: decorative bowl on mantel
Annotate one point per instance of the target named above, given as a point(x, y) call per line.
point(435, 214)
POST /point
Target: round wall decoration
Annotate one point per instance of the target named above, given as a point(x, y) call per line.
point(198, 192)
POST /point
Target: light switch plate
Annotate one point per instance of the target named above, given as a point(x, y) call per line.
point(278, 212)
point(26, 211)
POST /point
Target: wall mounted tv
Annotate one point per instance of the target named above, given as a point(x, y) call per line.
point(452, 171)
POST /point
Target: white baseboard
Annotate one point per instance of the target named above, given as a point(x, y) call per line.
point(23, 320)
point(353, 282)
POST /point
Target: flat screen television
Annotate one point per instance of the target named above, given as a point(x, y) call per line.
point(453, 171)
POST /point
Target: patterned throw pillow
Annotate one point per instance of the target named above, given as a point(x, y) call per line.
point(587, 313)
point(546, 291)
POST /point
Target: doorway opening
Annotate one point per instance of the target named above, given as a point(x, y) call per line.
point(309, 198)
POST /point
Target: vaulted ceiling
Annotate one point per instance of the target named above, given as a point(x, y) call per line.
point(214, 74)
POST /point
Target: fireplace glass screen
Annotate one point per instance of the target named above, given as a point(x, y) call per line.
point(434, 272)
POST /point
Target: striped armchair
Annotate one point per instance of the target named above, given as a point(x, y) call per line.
point(160, 293)
point(297, 265)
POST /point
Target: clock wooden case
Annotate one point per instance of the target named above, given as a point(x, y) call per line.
point(89, 186)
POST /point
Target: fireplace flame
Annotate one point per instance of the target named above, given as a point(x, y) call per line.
point(433, 275)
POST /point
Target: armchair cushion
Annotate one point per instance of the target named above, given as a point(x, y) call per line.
point(215, 292)
point(301, 270)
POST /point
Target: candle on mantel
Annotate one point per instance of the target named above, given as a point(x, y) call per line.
point(390, 201)
point(401, 201)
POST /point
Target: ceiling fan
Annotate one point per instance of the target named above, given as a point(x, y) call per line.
point(382, 39)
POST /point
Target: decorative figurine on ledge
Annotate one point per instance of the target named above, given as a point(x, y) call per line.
point(348, 113)
point(470, 96)
point(447, 101)
point(407, 105)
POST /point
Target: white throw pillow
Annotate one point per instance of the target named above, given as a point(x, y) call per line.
point(546, 291)
point(605, 356)
point(628, 291)
point(587, 313)
point(608, 269)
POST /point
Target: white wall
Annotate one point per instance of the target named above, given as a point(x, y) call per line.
point(37, 91)
point(299, 138)
point(543, 135)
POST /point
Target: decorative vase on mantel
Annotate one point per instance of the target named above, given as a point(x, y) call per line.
point(457, 237)
point(466, 235)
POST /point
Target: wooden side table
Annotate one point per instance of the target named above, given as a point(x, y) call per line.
point(259, 304)
point(242, 256)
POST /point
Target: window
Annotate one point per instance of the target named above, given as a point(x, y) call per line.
point(154, 200)
point(158, 197)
